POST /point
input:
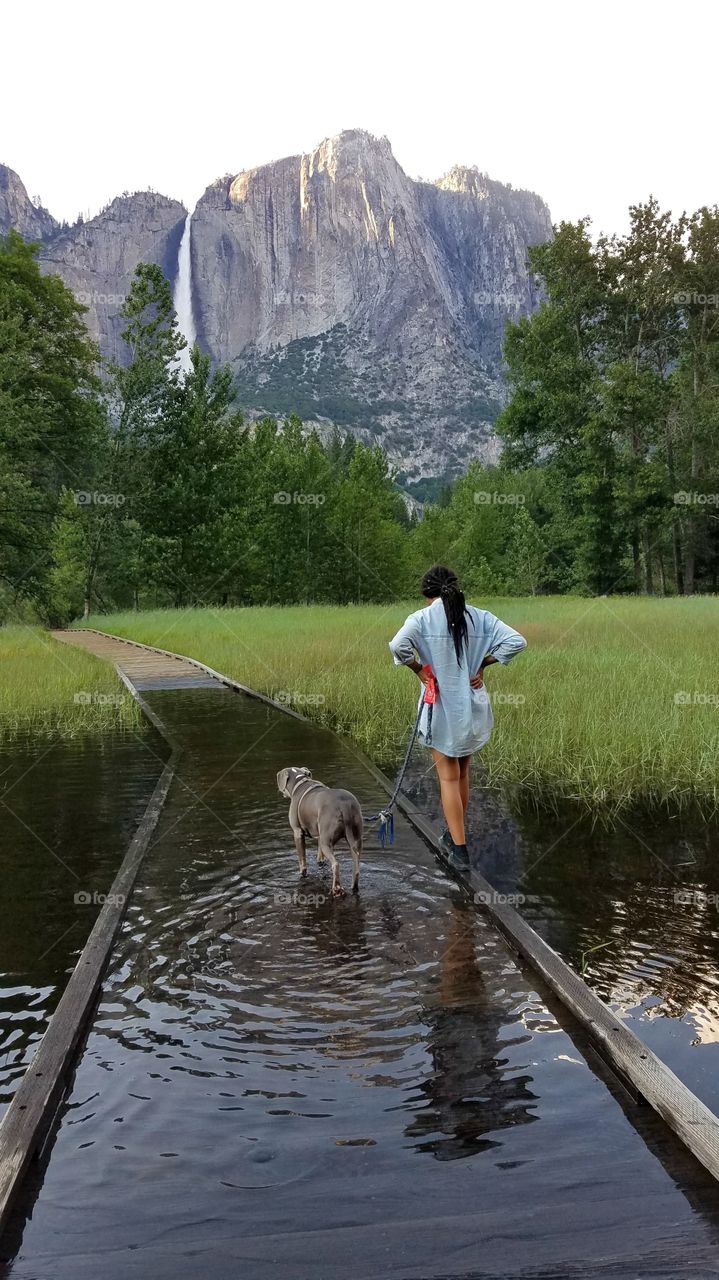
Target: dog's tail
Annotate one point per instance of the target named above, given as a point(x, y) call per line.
point(354, 826)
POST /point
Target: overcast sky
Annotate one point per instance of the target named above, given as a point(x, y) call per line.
point(593, 105)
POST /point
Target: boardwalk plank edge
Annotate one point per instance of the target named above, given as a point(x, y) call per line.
point(689, 1118)
point(35, 1105)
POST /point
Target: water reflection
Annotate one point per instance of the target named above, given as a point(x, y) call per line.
point(470, 1093)
point(68, 811)
point(634, 908)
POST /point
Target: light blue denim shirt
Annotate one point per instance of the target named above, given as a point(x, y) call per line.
point(462, 718)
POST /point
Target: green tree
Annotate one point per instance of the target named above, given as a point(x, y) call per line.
point(107, 538)
point(51, 415)
point(695, 423)
point(190, 466)
point(367, 522)
point(614, 394)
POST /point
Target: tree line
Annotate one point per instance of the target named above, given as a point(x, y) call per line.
point(146, 487)
point(141, 485)
point(614, 401)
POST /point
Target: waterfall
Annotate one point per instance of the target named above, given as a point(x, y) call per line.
point(183, 296)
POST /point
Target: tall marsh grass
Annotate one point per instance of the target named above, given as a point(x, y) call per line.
point(51, 689)
point(615, 701)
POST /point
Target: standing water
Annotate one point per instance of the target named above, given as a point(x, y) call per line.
point(183, 296)
point(280, 1084)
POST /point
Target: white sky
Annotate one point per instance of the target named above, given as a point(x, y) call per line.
point(593, 105)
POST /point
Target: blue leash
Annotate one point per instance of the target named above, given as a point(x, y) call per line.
point(386, 816)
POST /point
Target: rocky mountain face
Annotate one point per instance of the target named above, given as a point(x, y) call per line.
point(18, 211)
point(97, 259)
point(337, 287)
point(340, 287)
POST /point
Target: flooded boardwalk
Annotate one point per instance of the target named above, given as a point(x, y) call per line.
point(279, 1084)
point(147, 669)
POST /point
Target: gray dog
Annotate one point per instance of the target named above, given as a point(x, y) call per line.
point(327, 815)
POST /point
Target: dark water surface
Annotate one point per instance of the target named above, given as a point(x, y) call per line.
point(68, 810)
point(281, 1085)
point(635, 909)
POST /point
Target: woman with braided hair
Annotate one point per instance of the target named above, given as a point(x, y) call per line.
point(453, 642)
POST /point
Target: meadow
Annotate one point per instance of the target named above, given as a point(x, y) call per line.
point(51, 689)
point(614, 703)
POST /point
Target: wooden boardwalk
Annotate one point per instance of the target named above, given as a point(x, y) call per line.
point(29, 1118)
point(145, 668)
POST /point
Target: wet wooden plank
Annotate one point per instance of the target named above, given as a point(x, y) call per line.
point(629, 1056)
point(633, 1060)
point(29, 1117)
point(139, 663)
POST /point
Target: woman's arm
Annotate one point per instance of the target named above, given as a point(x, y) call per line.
point(504, 644)
point(477, 682)
point(404, 647)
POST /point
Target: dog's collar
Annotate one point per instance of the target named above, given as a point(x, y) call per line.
point(301, 781)
point(311, 787)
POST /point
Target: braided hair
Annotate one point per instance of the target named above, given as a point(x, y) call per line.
point(439, 581)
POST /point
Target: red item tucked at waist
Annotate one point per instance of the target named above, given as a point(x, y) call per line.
point(430, 689)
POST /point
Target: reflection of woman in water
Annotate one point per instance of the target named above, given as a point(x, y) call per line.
point(457, 642)
point(472, 1090)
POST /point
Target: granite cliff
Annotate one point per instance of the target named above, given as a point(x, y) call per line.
point(19, 212)
point(335, 285)
point(97, 259)
point(338, 286)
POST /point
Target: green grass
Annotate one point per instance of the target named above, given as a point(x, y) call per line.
point(599, 721)
point(51, 689)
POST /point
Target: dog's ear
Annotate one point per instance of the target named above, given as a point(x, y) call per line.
point(282, 781)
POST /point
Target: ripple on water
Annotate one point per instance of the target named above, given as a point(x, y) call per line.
point(71, 808)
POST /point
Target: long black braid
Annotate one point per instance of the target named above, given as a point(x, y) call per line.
point(439, 581)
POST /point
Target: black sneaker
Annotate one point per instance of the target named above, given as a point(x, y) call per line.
point(456, 854)
point(459, 857)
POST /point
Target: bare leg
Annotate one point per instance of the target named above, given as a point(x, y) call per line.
point(464, 764)
point(449, 783)
point(301, 851)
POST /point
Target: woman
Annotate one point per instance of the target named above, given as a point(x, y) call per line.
point(457, 642)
